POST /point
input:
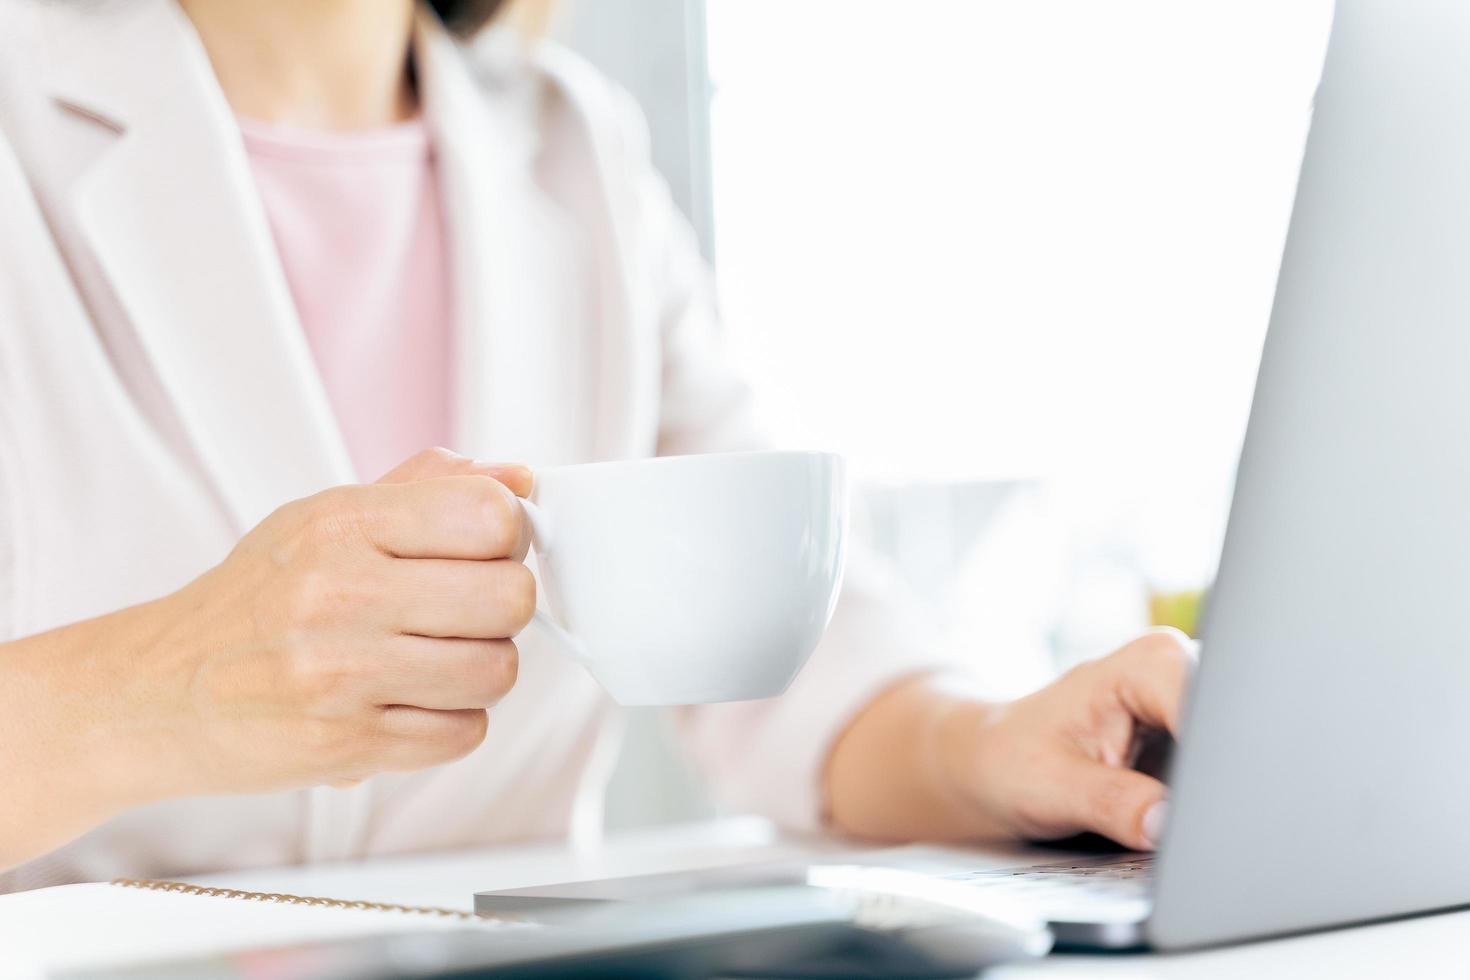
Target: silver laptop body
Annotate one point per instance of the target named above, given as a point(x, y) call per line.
point(1322, 776)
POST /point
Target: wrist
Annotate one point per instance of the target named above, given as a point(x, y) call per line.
point(902, 769)
point(79, 750)
point(121, 726)
point(155, 741)
point(960, 731)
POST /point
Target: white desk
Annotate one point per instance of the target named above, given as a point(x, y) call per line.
point(1430, 946)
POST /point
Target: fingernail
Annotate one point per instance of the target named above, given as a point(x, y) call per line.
point(1154, 819)
point(482, 464)
point(510, 473)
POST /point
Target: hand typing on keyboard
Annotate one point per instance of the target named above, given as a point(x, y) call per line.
point(1062, 761)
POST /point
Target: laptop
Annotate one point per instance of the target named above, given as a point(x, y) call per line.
point(1320, 777)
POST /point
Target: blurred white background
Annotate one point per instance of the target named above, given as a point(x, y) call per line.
point(1015, 258)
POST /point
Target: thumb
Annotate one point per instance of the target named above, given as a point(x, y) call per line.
point(1121, 804)
point(433, 463)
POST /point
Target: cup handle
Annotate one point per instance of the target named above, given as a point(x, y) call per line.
point(541, 538)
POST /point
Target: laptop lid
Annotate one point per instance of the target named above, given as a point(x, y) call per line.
point(1321, 778)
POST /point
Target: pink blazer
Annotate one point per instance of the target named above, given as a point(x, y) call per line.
point(157, 399)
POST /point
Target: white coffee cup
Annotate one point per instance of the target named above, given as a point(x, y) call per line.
point(691, 579)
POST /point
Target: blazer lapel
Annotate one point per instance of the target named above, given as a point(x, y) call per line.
point(172, 214)
point(527, 359)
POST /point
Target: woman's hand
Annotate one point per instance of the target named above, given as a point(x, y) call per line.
point(364, 629)
point(924, 762)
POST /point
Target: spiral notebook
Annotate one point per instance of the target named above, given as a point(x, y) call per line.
point(128, 922)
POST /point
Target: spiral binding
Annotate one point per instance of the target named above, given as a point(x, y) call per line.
point(184, 888)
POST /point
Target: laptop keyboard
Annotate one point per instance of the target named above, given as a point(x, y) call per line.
point(1083, 889)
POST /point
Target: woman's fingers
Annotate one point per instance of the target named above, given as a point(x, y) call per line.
point(477, 600)
point(1121, 804)
point(1058, 759)
point(1152, 677)
point(1149, 678)
point(437, 462)
point(445, 674)
point(412, 738)
point(466, 517)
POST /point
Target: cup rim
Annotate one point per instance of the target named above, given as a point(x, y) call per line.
point(687, 458)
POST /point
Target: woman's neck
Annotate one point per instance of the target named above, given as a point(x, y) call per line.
point(335, 64)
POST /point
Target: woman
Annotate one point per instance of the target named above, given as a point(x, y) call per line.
point(255, 252)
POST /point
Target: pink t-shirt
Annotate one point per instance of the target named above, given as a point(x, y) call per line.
point(359, 227)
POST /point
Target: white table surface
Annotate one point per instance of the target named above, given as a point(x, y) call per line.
point(1428, 946)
